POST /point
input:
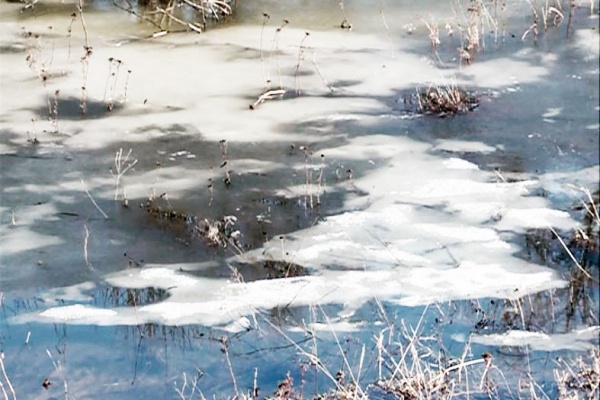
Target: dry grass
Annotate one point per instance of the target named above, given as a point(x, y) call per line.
point(174, 15)
point(581, 379)
point(443, 100)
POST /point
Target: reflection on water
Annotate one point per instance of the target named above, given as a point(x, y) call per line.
point(150, 359)
point(120, 297)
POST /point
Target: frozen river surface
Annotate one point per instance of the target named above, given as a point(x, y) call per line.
point(153, 224)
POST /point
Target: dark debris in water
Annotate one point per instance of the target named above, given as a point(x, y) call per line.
point(575, 256)
point(281, 269)
point(219, 232)
point(581, 245)
point(268, 269)
point(215, 232)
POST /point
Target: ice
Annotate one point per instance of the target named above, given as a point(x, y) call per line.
point(497, 73)
point(579, 340)
point(457, 163)
point(77, 312)
point(150, 277)
point(420, 222)
point(427, 232)
point(20, 239)
point(457, 146)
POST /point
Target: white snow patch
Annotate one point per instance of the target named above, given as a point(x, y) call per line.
point(336, 326)
point(460, 233)
point(150, 277)
point(578, 340)
point(77, 312)
point(333, 245)
point(70, 293)
point(498, 73)
point(472, 281)
point(572, 184)
point(536, 218)
point(457, 163)
point(462, 146)
point(220, 303)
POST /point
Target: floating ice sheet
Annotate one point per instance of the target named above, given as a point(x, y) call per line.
point(427, 232)
point(77, 312)
point(219, 302)
point(461, 146)
point(579, 340)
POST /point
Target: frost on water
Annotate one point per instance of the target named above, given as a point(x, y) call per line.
point(430, 229)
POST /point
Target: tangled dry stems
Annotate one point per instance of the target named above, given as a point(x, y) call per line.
point(583, 382)
point(444, 100)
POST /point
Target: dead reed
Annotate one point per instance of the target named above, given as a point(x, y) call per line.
point(579, 379)
point(111, 82)
point(122, 165)
point(224, 163)
point(443, 100)
point(301, 51)
point(85, 59)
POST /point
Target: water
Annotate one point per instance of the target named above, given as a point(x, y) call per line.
point(357, 215)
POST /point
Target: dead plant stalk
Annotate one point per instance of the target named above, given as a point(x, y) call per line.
point(266, 18)
point(122, 165)
point(301, 51)
point(275, 51)
point(85, 59)
point(87, 192)
point(570, 254)
point(355, 379)
point(8, 383)
point(59, 370)
point(85, 247)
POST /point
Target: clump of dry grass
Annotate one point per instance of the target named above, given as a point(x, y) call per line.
point(282, 269)
point(444, 100)
point(342, 391)
point(417, 373)
point(218, 232)
point(581, 381)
